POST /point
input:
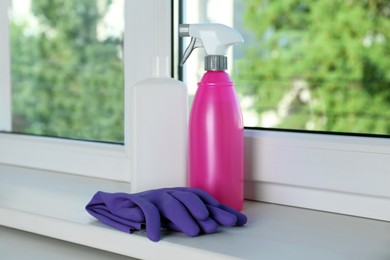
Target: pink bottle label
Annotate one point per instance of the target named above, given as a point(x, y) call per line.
point(216, 140)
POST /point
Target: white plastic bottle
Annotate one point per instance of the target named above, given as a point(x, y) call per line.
point(158, 137)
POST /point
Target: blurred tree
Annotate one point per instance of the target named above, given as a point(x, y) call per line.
point(320, 65)
point(66, 81)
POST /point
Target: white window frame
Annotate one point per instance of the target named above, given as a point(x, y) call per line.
point(344, 174)
point(81, 157)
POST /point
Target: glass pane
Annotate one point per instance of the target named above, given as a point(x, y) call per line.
point(67, 68)
point(308, 65)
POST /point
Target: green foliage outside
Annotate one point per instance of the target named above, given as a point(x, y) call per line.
point(66, 82)
point(319, 65)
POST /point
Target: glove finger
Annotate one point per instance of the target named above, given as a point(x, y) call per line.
point(174, 211)
point(152, 217)
point(206, 198)
point(193, 203)
point(208, 225)
point(222, 217)
point(241, 218)
point(171, 226)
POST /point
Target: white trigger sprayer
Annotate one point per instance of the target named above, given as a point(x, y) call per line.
point(214, 38)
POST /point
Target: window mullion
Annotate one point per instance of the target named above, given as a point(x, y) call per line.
point(5, 71)
point(139, 45)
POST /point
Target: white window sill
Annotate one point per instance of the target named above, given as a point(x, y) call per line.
point(37, 247)
point(52, 205)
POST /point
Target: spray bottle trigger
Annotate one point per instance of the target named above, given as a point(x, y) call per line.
point(194, 43)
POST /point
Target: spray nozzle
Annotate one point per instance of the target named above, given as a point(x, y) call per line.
point(214, 38)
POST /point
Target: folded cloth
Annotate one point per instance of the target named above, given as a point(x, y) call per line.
point(188, 210)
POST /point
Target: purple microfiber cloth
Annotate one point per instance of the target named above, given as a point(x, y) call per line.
point(188, 210)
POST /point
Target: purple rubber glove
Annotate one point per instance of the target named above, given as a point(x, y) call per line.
point(189, 210)
point(126, 212)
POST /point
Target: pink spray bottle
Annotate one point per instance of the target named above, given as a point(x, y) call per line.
point(216, 149)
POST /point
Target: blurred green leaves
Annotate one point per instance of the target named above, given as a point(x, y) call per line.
point(340, 49)
point(65, 80)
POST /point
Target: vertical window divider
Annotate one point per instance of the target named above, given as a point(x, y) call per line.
point(5, 70)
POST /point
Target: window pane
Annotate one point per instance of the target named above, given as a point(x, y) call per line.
point(67, 68)
point(308, 65)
